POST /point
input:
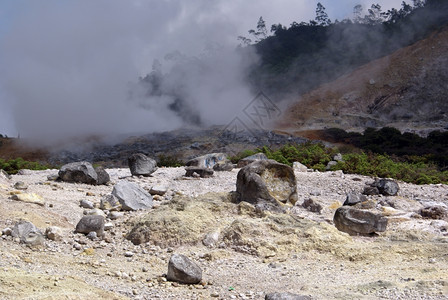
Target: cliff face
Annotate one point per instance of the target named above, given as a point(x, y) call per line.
point(407, 90)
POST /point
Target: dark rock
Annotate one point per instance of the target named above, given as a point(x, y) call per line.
point(434, 211)
point(82, 172)
point(201, 172)
point(208, 160)
point(312, 206)
point(28, 233)
point(91, 223)
point(181, 269)
point(285, 296)
point(387, 187)
point(131, 196)
point(250, 159)
point(103, 176)
point(354, 198)
point(140, 164)
point(223, 166)
point(266, 181)
point(370, 190)
point(355, 221)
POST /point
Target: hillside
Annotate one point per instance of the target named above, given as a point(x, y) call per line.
point(406, 89)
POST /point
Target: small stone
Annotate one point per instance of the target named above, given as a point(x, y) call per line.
point(86, 204)
point(128, 254)
point(182, 269)
point(108, 226)
point(92, 235)
point(214, 295)
point(54, 233)
point(20, 185)
point(91, 223)
point(159, 190)
point(432, 261)
point(7, 231)
point(115, 215)
point(77, 246)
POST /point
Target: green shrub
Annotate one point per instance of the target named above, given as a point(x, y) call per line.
point(377, 165)
point(13, 166)
point(169, 161)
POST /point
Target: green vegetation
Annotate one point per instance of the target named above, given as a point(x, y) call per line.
point(413, 169)
point(407, 146)
point(169, 161)
point(304, 55)
point(13, 166)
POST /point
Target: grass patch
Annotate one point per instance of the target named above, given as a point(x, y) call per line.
point(13, 166)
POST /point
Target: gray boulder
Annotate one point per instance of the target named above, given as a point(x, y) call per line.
point(140, 164)
point(82, 172)
point(181, 269)
point(208, 160)
point(285, 296)
point(354, 198)
point(250, 159)
point(91, 223)
point(198, 171)
point(387, 187)
point(102, 176)
point(266, 181)
point(131, 196)
point(28, 233)
point(358, 222)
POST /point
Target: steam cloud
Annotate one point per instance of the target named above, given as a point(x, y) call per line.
point(71, 68)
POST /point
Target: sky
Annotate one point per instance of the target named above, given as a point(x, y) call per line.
point(67, 65)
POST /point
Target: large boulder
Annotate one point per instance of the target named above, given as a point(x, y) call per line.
point(28, 233)
point(131, 196)
point(83, 172)
point(266, 181)
point(358, 222)
point(181, 269)
point(140, 164)
point(91, 223)
point(216, 161)
point(250, 159)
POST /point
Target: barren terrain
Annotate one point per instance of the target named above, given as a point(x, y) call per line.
point(299, 252)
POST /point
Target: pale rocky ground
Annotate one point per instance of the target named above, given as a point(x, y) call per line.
point(408, 261)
